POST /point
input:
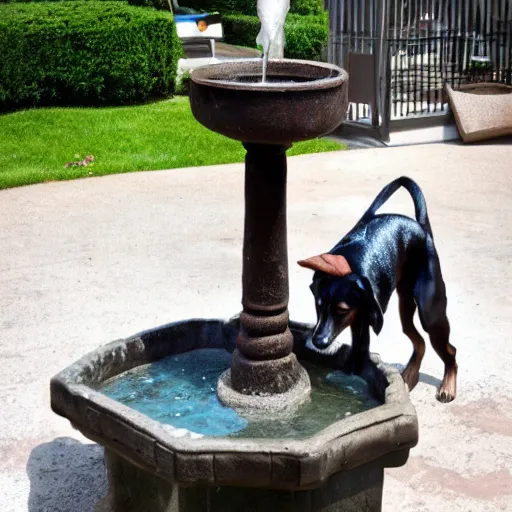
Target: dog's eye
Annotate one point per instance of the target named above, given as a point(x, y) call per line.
point(319, 302)
point(343, 307)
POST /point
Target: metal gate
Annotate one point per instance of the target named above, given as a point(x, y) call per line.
point(400, 53)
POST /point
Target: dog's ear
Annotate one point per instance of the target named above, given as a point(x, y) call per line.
point(374, 309)
point(331, 264)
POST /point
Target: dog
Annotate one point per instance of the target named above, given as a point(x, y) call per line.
point(353, 283)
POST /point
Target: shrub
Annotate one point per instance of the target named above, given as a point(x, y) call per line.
point(85, 52)
point(222, 6)
point(241, 30)
point(30, 1)
point(183, 84)
point(248, 7)
point(307, 7)
point(162, 5)
point(306, 36)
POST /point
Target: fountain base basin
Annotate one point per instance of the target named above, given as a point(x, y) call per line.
point(157, 467)
point(287, 401)
point(132, 489)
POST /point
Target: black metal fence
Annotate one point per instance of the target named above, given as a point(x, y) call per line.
point(412, 48)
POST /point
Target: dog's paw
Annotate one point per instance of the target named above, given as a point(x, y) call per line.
point(411, 376)
point(448, 388)
point(445, 396)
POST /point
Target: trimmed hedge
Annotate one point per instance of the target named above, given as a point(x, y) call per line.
point(248, 7)
point(306, 36)
point(162, 5)
point(86, 53)
point(307, 7)
point(46, 1)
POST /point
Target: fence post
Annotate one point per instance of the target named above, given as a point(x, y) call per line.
point(383, 70)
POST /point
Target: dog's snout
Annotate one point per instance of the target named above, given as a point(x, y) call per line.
point(321, 341)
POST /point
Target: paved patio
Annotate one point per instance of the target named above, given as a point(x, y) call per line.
point(89, 261)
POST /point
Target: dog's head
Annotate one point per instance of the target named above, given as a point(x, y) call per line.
point(341, 296)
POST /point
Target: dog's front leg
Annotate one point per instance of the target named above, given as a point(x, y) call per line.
point(359, 362)
point(360, 350)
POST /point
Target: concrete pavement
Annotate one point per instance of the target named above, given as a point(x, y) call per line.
point(89, 261)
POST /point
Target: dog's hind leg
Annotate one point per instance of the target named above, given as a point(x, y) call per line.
point(407, 308)
point(439, 333)
point(430, 296)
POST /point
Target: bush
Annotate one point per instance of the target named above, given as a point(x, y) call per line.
point(248, 7)
point(85, 52)
point(162, 5)
point(307, 7)
point(183, 84)
point(222, 6)
point(306, 36)
point(41, 1)
point(241, 30)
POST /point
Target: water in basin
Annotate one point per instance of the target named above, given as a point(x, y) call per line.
point(181, 391)
point(270, 79)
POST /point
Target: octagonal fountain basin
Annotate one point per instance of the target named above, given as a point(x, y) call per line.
point(299, 100)
point(171, 446)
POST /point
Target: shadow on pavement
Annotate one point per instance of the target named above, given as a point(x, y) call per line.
point(424, 377)
point(66, 476)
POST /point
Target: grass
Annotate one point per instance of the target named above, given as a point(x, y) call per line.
point(35, 144)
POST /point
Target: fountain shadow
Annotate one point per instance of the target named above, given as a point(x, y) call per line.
point(66, 476)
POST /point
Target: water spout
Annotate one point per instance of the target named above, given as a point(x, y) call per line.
point(272, 15)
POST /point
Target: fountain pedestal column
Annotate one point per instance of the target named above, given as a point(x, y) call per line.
point(263, 363)
point(299, 101)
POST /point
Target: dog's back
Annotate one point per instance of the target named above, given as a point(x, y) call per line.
point(382, 249)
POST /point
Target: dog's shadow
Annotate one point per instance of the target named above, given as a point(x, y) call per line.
point(66, 476)
point(430, 380)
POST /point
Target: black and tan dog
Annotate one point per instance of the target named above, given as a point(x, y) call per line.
point(353, 283)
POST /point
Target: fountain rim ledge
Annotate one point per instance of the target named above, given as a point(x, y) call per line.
point(182, 457)
point(203, 76)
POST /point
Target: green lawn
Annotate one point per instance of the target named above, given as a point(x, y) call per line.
point(35, 144)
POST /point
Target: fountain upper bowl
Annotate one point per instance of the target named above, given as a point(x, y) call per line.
point(300, 100)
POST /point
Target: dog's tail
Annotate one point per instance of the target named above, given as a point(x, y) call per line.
point(420, 206)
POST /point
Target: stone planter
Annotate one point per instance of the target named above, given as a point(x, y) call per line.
point(158, 468)
point(482, 110)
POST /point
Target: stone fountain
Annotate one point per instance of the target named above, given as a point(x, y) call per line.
point(159, 467)
point(299, 101)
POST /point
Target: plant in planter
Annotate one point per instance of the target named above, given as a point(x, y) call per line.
point(480, 69)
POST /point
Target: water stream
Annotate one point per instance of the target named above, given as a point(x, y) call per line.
point(182, 391)
point(272, 15)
